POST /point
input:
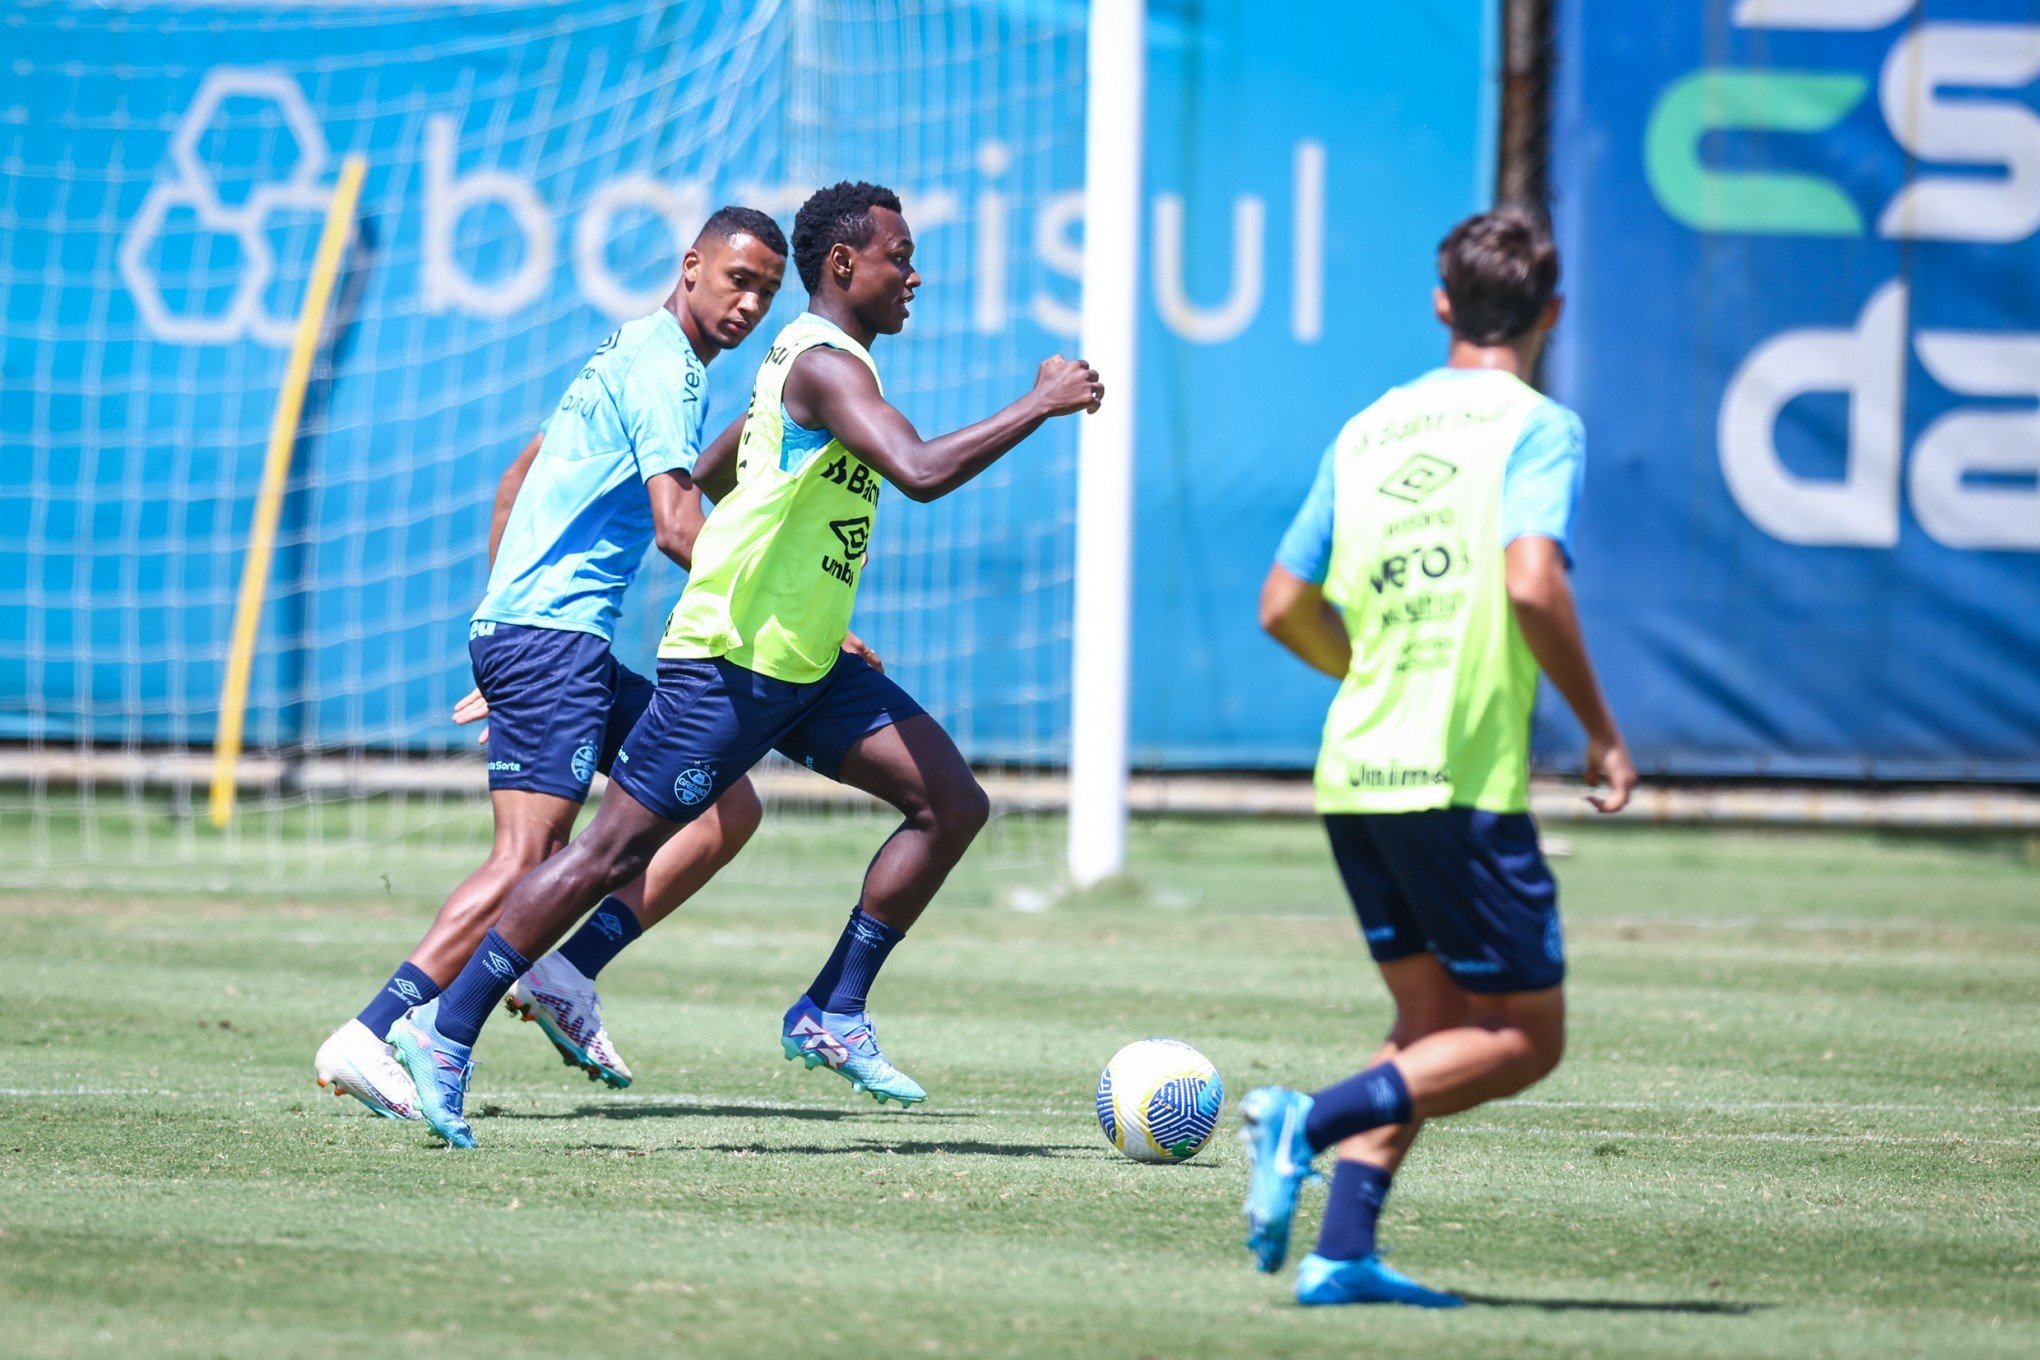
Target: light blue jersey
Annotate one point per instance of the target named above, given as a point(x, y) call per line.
point(1540, 486)
point(582, 520)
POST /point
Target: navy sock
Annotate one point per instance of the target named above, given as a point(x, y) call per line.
point(479, 989)
point(1372, 1100)
point(407, 987)
point(1358, 1192)
point(845, 980)
point(602, 937)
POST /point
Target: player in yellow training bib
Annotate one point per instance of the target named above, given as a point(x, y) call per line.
point(1427, 573)
point(753, 657)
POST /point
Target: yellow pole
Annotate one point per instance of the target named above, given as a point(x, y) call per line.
point(283, 430)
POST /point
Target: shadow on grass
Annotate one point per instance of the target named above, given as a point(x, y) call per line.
point(690, 1109)
point(1720, 1307)
point(960, 1148)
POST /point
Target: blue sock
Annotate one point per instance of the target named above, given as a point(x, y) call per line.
point(1358, 1192)
point(1374, 1099)
point(479, 989)
point(845, 980)
point(407, 987)
point(602, 937)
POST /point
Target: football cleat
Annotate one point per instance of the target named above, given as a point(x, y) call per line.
point(1367, 1280)
point(440, 1068)
point(353, 1062)
point(1279, 1155)
point(848, 1046)
point(566, 1008)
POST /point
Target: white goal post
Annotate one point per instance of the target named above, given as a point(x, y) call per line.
point(1101, 650)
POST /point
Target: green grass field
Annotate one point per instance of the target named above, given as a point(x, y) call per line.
point(1800, 1117)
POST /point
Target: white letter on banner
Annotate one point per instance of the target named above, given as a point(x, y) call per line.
point(1215, 325)
point(1964, 442)
point(447, 282)
point(1834, 15)
point(993, 217)
point(1307, 287)
point(1964, 130)
point(1868, 363)
point(683, 207)
point(1060, 254)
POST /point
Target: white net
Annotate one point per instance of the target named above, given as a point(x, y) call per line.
point(533, 172)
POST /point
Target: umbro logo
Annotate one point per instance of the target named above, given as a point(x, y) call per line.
point(854, 534)
point(1419, 475)
point(498, 965)
point(408, 990)
point(606, 922)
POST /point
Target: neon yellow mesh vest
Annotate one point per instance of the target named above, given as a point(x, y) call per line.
point(776, 565)
point(1435, 710)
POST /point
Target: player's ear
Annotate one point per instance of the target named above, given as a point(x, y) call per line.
point(1552, 311)
point(1441, 307)
point(841, 262)
point(690, 267)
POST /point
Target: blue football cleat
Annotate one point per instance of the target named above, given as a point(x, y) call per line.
point(1367, 1280)
point(847, 1045)
point(440, 1068)
point(1280, 1158)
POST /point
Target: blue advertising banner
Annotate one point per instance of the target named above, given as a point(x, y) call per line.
point(533, 173)
point(1803, 329)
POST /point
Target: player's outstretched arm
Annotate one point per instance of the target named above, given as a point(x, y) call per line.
point(506, 493)
point(1542, 598)
point(715, 471)
point(829, 388)
point(1296, 614)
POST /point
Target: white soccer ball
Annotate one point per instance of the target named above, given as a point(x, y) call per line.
point(1159, 1100)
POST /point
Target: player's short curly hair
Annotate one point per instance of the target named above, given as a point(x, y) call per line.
point(1499, 270)
point(732, 221)
point(840, 213)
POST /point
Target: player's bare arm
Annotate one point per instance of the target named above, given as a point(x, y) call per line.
point(831, 389)
point(473, 707)
point(506, 493)
point(677, 515)
point(1541, 596)
point(1296, 614)
point(715, 472)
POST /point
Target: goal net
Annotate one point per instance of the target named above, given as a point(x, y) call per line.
point(534, 172)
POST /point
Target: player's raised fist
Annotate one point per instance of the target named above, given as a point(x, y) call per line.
point(1068, 386)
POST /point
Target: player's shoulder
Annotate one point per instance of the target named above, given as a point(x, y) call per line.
point(1551, 421)
point(654, 339)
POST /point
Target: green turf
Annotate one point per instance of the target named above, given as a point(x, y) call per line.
point(1800, 1117)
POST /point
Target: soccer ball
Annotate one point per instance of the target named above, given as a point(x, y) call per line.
point(1158, 1100)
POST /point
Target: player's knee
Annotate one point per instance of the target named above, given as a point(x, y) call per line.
point(740, 811)
point(963, 812)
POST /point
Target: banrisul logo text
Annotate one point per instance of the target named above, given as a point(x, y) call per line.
point(1740, 152)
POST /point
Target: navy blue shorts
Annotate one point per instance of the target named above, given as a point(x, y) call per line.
point(1470, 886)
point(712, 720)
point(560, 704)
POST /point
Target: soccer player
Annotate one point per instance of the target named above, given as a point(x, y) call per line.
point(1427, 572)
point(752, 659)
point(609, 475)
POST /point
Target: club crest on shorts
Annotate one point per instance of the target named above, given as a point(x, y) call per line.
point(584, 761)
point(694, 784)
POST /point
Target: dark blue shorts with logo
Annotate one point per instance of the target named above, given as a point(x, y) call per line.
point(712, 720)
point(1471, 887)
point(560, 704)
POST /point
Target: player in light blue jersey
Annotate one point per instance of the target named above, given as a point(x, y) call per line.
point(608, 476)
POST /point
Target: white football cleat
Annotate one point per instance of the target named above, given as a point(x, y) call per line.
point(563, 1002)
point(356, 1063)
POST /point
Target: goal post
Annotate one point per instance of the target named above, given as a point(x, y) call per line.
point(1101, 647)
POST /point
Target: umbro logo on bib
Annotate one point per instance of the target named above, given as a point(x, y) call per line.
point(1419, 475)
